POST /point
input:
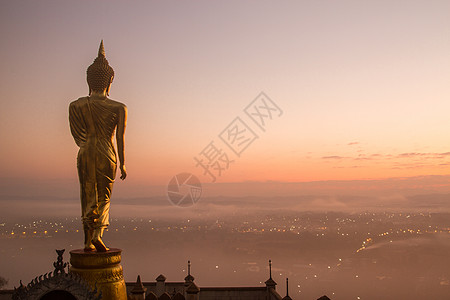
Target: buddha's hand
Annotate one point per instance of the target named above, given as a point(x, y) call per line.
point(123, 172)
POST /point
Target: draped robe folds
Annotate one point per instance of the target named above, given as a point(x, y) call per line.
point(92, 123)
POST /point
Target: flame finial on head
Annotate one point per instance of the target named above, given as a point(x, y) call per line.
point(101, 50)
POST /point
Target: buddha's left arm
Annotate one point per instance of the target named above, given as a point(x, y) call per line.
point(120, 136)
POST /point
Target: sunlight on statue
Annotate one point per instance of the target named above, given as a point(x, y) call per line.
point(93, 121)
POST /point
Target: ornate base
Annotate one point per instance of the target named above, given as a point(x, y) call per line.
point(101, 270)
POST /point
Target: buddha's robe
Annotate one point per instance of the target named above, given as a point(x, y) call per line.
point(92, 123)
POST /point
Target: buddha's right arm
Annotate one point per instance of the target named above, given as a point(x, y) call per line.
point(76, 126)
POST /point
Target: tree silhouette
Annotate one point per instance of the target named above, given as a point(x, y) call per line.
point(3, 282)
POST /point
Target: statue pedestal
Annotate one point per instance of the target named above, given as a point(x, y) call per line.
point(101, 270)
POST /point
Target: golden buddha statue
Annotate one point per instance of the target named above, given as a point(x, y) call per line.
point(93, 121)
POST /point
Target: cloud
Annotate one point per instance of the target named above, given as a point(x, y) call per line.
point(422, 155)
point(411, 154)
point(326, 203)
point(350, 167)
point(363, 157)
point(353, 143)
point(333, 157)
point(402, 161)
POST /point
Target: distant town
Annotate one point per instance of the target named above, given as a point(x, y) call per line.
point(342, 255)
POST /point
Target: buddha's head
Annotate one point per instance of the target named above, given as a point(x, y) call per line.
point(100, 74)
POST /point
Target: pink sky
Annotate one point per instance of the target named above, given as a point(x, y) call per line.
point(363, 86)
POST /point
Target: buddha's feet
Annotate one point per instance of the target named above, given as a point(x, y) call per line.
point(88, 233)
point(97, 240)
point(99, 245)
point(89, 248)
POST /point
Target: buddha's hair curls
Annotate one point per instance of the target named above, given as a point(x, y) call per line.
point(100, 73)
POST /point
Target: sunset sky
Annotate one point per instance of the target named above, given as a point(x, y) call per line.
point(363, 86)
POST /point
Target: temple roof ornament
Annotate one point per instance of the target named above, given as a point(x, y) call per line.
point(287, 291)
point(270, 282)
point(57, 281)
point(138, 287)
point(189, 277)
